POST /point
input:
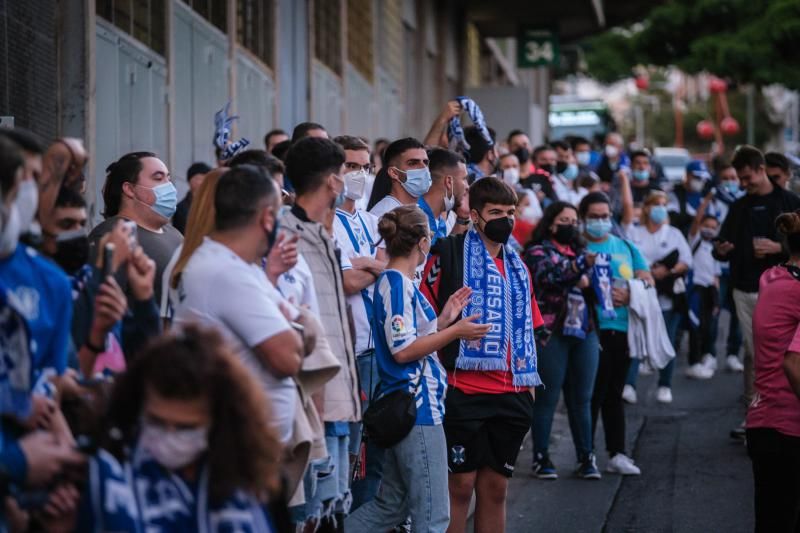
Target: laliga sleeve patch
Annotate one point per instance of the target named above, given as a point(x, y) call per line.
point(398, 325)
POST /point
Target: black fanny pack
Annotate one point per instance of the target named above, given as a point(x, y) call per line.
point(389, 419)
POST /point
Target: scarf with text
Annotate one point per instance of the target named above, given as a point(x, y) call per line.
point(601, 283)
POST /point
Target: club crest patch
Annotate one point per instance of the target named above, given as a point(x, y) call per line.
point(398, 325)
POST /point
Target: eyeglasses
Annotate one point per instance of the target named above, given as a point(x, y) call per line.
point(355, 166)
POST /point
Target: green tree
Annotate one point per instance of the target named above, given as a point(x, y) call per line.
point(749, 41)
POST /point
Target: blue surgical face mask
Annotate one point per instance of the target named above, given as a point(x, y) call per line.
point(584, 158)
point(571, 172)
point(598, 227)
point(658, 214)
point(418, 181)
point(641, 175)
point(166, 199)
point(731, 186)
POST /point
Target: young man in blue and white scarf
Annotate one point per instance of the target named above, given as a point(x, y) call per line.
point(489, 403)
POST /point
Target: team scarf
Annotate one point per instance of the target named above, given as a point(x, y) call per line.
point(222, 133)
point(17, 375)
point(455, 131)
point(437, 225)
point(601, 283)
point(576, 321)
point(141, 495)
point(505, 303)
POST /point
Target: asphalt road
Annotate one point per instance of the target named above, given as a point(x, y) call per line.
point(694, 477)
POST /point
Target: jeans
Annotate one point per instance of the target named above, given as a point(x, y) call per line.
point(672, 320)
point(364, 490)
point(745, 305)
point(776, 478)
point(607, 396)
point(414, 484)
point(570, 364)
point(734, 340)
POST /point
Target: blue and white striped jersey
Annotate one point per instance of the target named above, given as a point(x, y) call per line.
point(402, 315)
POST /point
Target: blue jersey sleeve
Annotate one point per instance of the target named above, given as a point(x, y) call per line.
point(399, 326)
point(639, 262)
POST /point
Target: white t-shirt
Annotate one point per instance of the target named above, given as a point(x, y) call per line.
point(219, 289)
point(297, 286)
point(705, 266)
point(355, 236)
point(656, 246)
point(384, 206)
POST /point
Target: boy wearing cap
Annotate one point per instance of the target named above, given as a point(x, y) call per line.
point(687, 196)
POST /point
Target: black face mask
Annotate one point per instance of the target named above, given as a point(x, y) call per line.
point(498, 229)
point(72, 250)
point(523, 154)
point(565, 233)
point(561, 166)
point(272, 236)
point(550, 169)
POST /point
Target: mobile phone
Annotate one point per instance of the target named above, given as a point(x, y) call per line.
point(133, 239)
point(619, 283)
point(108, 259)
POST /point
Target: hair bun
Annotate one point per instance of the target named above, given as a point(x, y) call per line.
point(388, 226)
point(788, 223)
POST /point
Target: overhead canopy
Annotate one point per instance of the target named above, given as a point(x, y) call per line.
point(572, 19)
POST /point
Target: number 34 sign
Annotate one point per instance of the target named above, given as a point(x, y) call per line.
point(536, 48)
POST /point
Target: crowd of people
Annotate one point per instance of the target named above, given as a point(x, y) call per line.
point(328, 335)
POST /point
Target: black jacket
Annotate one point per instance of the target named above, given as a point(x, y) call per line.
point(754, 216)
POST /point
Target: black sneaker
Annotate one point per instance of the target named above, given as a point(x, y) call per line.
point(587, 469)
point(543, 467)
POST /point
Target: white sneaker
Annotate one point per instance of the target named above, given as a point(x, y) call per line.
point(709, 361)
point(629, 394)
point(664, 395)
point(622, 464)
point(699, 371)
point(733, 364)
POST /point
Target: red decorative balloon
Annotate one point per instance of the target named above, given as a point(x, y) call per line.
point(705, 129)
point(642, 83)
point(729, 126)
point(716, 85)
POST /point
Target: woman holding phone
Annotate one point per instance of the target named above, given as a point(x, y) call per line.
point(407, 335)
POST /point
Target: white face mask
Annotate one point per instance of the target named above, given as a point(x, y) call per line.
point(529, 214)
point(511, 176)
point(27, 202)
point(356, 184)
point(696, 185)
point(173, 449)
point(9, 235)
point(611, 151)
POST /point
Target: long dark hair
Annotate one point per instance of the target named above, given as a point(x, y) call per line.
point(125, 169)
point(243, 452)
point(542, 231)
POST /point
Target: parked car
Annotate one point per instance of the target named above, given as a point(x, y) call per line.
point(673, 161)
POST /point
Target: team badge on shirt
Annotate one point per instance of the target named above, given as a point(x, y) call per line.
point(398, 326)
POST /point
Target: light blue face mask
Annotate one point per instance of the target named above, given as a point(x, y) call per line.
point(166, 199)
point(571, 172)
point(418, 181)
point(731, 186)
point(641, 175)
point(584, 158)
point(598, 227)
point(658, 214)
point(342, 195)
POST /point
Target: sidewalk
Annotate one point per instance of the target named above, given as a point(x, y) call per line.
point(694, 477)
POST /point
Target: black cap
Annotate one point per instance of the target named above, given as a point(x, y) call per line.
point(197, 168)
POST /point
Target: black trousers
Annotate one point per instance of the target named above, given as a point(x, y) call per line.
point(607, 398)
point(776, 474)
point(701, 340)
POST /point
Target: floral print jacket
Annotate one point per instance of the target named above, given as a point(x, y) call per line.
point(554, 276)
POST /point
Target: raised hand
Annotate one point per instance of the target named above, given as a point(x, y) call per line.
point(468, 329)
point(455, 304)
